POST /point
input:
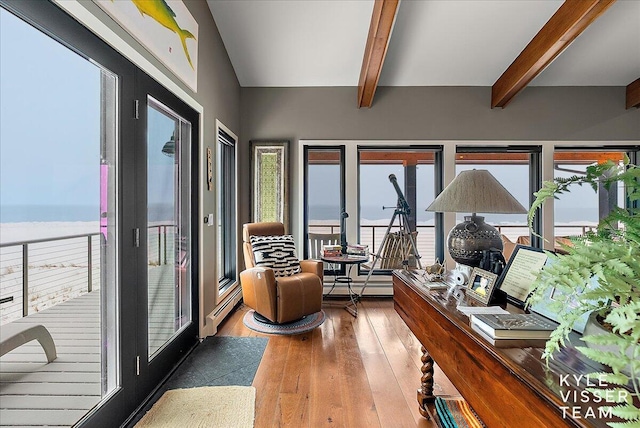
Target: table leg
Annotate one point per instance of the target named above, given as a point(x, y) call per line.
point(352, 306)
point(425, 393)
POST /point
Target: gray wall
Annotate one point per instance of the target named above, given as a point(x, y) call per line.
point(430, 113)
point(219, 95)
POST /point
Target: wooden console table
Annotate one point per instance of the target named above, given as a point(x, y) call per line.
point(507, 387)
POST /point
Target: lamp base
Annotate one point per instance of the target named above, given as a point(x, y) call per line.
point(469, 239)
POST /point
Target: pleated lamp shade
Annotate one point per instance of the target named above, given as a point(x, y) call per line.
point(476, 191)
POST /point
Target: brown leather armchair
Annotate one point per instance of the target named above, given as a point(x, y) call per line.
point(279, 299)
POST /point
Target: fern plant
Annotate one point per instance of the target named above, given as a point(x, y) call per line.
point(609, 260)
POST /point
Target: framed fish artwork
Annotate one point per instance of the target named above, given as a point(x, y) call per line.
point(165, 28)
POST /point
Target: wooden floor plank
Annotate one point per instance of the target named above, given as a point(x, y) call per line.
point(268, 380)
point(355, 390)
point(352, 380)
point(391, 406)
point(295, 392)
point(326, 404)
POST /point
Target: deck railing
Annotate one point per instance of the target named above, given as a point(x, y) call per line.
point(40, 273)
point(372, 235)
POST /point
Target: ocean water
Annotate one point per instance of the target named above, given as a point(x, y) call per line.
point(565, 214)
point(70, 213)
point(164, 212)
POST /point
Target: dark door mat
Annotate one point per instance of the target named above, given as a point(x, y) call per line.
point(220, 361)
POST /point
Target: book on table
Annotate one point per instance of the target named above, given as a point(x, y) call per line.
point(510, 343)
point(513, 326)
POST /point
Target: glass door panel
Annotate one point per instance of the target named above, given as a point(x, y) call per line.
point(168, 225)
point(58, 230)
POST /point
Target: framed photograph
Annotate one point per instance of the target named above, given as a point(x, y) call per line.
point(521, 270)
point(481, 285)
point(270, 175)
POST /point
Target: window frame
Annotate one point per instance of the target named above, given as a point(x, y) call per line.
point(226, 207)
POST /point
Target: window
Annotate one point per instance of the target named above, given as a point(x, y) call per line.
point(581, 209)
point(414, 170)
point(59, 190)
point(227, 207)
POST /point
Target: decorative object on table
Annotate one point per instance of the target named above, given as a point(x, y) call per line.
point(492, 261)
point(357, 250)
point(331, 250)
point(436, 269)
point(405, 235)
point(481, 285)
point(460, 274)
point(432, 273)
point(270, 181)
point(514, 326)
point(474, 191)
point(610, 254)
point(428, 280)
point(520, 273)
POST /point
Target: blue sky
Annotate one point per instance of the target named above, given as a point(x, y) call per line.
point(50, 124)
point(49, 120)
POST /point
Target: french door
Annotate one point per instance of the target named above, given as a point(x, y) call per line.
point(164, 231)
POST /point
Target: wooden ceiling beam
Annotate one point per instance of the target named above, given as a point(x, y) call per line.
point(569, 21)
point(382, 19)
point(633, 94)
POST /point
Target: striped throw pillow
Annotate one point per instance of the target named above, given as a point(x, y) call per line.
point(276, 252)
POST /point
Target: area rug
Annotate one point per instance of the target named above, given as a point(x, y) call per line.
point(456, 413)
point(208, 406)
point(303, 325)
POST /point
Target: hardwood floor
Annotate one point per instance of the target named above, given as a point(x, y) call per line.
point(349, 372)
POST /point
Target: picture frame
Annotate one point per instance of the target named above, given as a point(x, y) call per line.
point(270, 176)
point(481, 285)
point(520, 272)
point(161, 35)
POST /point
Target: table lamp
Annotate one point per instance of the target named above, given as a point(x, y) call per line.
point(474, 191)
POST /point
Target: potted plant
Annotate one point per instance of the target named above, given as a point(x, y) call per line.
point(599, 275)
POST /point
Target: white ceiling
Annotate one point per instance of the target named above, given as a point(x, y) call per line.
point(291, 43)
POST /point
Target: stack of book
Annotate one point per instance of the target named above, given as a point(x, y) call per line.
point(331, 250)
point(513, 330)
point(358, 250)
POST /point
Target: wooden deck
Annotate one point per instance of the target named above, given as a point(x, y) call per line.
point(59, 393)
point(33, 392)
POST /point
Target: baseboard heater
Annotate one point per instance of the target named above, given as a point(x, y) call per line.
point(225, 307)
